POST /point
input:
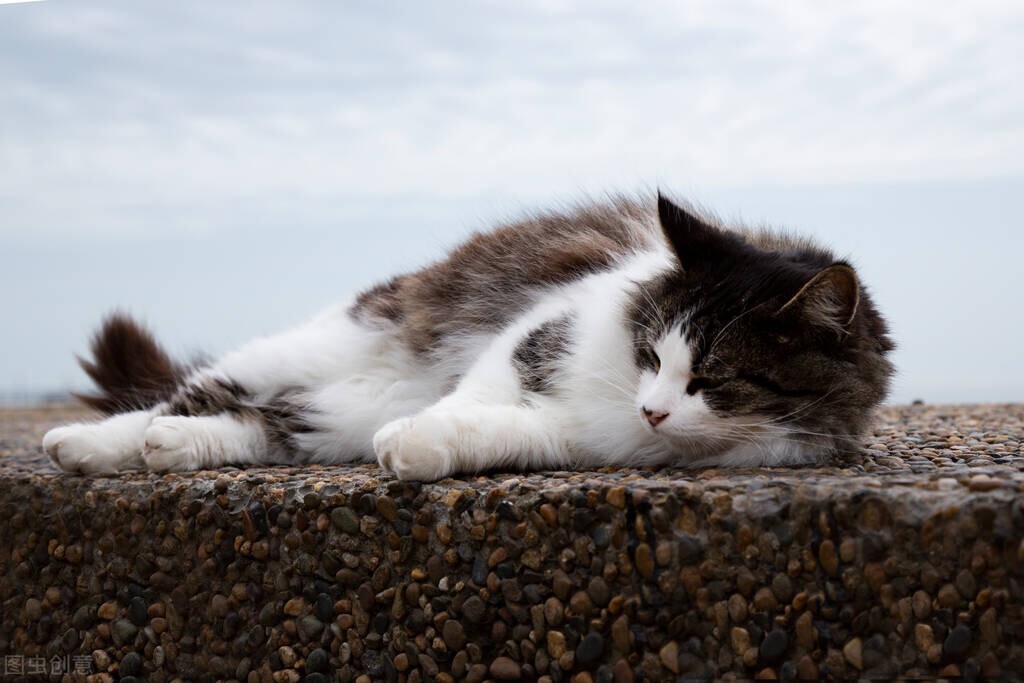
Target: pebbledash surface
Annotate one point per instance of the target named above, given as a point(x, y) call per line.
point(904, 561)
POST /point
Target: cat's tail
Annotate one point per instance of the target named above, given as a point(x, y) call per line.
point(131, 370)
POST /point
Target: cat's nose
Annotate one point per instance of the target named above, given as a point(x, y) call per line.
point(654, 417)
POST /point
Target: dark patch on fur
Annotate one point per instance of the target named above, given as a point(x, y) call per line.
point(537, 357)
point(381, 302)
point(752, 353)
point(494, 276)
point(208, 396)
point(280, 417)
point(130, 369)
point(283, 419)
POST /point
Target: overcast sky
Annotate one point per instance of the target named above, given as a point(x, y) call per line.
point(223, 170)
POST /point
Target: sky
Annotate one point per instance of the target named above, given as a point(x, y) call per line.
point(223, 171)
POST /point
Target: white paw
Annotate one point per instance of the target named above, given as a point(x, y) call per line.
point(90, 449)
point(171, 445)
point(418, 448)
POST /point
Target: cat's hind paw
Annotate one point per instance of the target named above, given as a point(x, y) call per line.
point(417, 448)
point(90, 449)
point(171, 445)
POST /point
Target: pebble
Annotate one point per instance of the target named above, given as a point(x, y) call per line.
point(621, 639)
point(33, 609)
point(506, 669)
point(922, 604)
point(827, 557)
point(949, 596)
point(556, 644)
point(123, 632)
point(983, 482)
point(740, 639)
point(806, 634)
point(924, 637)
point(107, 610)
point(295, 607)
point(806, 669)
point(853, 653)
point(782, 588)
point(138, 611)
point(599, 591)
point(774, 646)
point(966, 584)
point(737, 608)
point(318, 660)
point(669, 656)
point(345, 519)
point(622, 672)
point(454, 635)
point(644, 561)
point(581, 604)
point(957, 642)
point(131, 665)
point(764, 600)
point(554, 611)
point(474, 610)
point(988, 624)
point(616, 497)
point(590, 649)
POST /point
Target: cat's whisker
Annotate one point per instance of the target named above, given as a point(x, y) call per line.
point(792, 415)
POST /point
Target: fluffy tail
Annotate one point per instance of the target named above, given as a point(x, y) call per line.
point(130, 369)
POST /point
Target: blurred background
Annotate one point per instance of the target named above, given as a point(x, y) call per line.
point(223, 170)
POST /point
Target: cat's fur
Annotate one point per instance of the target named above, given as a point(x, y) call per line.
point(631, 332)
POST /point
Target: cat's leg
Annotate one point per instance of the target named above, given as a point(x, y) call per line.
point(489, 421)
point(341, 418)
point(106, 447)
point(258, 405)
point(178, 443)
point(213, 421)
point(330, 346)
point(458, 436)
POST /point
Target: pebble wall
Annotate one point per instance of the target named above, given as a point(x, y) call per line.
point(906, 561)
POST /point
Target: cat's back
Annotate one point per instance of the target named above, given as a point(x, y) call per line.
point(494, 276)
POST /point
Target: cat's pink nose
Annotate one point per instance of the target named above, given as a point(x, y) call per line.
point(654, 417)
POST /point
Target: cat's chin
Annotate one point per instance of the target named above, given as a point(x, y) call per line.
point(729, 443)
point(695, 450)
point(768, 450)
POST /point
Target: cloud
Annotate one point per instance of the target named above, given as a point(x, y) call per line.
point(122, 105)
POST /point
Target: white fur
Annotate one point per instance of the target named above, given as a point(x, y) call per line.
point(106, 447)
point(175, 443)
point(366, 396)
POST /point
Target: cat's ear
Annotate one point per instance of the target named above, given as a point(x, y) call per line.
point(693, 240)
point(829, 299)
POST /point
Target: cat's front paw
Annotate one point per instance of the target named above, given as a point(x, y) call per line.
point(417, 448)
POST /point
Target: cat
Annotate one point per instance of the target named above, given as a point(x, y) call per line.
point(630, 332)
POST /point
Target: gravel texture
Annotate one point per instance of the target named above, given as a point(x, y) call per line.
point(904, 561)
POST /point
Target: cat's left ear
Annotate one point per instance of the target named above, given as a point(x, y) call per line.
point(694, 241)
point(829, 299)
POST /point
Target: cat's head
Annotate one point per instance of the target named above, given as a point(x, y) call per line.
point(758, 348)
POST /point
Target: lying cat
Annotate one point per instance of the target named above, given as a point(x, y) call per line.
point(633, 332)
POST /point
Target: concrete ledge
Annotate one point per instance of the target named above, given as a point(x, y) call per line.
point(905, 562)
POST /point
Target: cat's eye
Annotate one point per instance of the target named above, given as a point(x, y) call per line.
point(771, 385)
point(700, 384)
point(656, 362)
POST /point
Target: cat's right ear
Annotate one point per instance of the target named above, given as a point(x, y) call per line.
point(694, 241)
